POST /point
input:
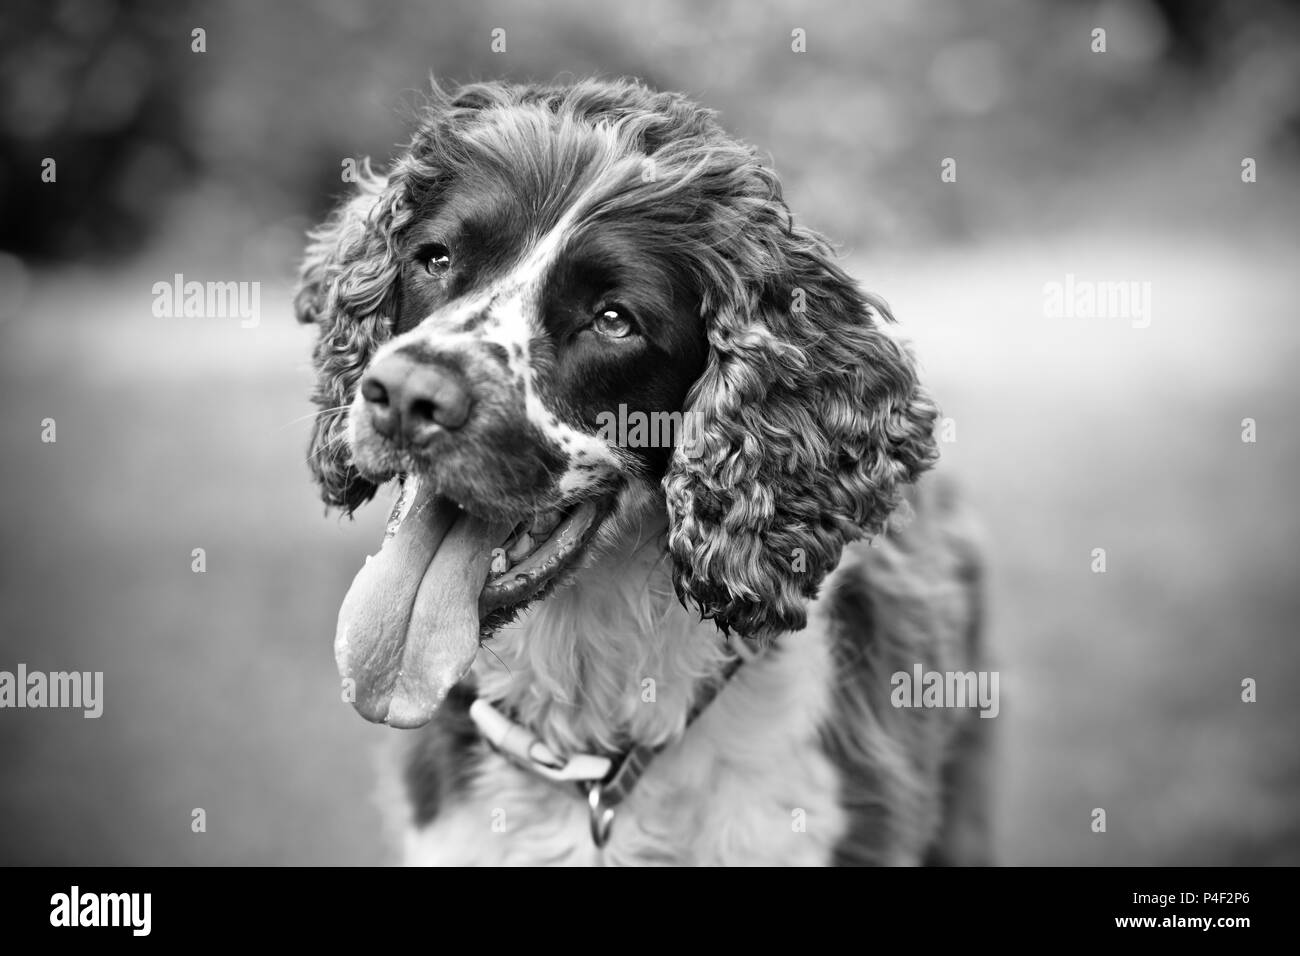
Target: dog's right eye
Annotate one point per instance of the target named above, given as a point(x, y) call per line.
point(613, 322)
point(435, 259)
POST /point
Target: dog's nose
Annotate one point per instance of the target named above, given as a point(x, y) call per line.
point(414, 399)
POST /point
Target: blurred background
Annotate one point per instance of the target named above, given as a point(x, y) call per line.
point(1121, 690)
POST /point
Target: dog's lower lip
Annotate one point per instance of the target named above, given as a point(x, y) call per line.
point(521, 582)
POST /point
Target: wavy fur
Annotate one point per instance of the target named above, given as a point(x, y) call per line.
point(346, 287)
point(812, 427)
point(813, 420)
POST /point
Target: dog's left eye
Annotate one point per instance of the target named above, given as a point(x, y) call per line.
point(435, 259)
point(613, 321)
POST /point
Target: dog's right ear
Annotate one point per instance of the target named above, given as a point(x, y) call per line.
point(349, 283)
point(351, 265)
point(333, 245)
point(347, 287)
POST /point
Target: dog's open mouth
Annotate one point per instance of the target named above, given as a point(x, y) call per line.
point(409, 626)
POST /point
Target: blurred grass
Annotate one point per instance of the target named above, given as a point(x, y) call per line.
point(1124, 688)
point(1121, 690)
point(220, 687)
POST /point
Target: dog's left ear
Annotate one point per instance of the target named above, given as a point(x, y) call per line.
point(808, 423)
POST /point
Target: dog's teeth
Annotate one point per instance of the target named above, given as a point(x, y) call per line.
point(521, 547)
point(544, 522)
point(499, 563)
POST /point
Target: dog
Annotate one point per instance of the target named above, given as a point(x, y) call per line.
point(673, 646)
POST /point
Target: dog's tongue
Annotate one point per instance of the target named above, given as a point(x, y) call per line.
point(409, 627)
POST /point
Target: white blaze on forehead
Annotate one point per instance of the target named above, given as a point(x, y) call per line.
point(514, 318)
point(511, 308)
point(440, 329)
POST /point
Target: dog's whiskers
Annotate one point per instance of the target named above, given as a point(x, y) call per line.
point(311, 415)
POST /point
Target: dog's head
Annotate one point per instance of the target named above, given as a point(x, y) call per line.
point(559, 302)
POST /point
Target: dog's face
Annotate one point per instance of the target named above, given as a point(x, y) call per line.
point(521, 319)
point(539, 265)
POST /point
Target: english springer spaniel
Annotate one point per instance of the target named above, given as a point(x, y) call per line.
point(622, 647)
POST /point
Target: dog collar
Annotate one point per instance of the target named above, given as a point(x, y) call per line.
point(605, 781)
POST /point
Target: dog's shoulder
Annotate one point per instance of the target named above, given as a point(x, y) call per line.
point(926, 570)
point(441, 758)
point(911, 597)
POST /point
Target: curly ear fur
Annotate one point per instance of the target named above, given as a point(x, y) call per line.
point(812, 420)
point(348, 283)
point(811, 424)
point(347, 286)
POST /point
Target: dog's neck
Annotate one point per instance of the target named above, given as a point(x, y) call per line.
point(609, 660)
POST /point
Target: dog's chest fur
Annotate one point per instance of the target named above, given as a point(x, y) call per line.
point(615, 657)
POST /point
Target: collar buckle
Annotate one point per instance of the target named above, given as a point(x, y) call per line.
point(606, 781)
point(521, 745)
point(601, 815)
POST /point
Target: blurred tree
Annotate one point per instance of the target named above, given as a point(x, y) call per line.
point(99, 88)
point(245, 140)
